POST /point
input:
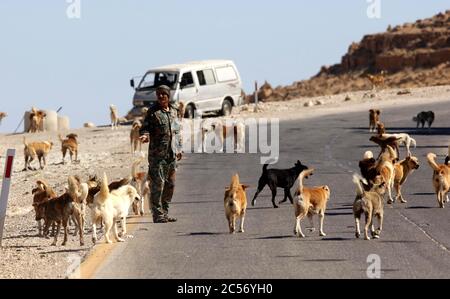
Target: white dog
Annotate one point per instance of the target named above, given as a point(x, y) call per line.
point(114, 117)
point(111, 207)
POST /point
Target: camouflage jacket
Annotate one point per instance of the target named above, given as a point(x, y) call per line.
point(164, 130)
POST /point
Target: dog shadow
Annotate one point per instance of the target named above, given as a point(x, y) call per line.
point(275, 237)
point(419, 208)
point(65, 251)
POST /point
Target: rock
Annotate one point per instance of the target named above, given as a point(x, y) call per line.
point(347, 98)
point(319, 102)
point(89, 125)
point(403, 92)
point(308, 104)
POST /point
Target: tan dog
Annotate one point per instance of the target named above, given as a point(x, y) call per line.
point(310, 201)
point(235, 202)
point(223, 130)
point(402, 170)
point(111, 207)
point(114, 114)
point(181, 110)
point(35, 150)
point(377, 80)
point(374, 118)
point(42, 193)
point(69, 144)
point(2, 116)
point(142, 185)
point(385, 167)
point(58, 210)
point(36, 120)
point(135, 141)
point(441, 179)
point(369, 203)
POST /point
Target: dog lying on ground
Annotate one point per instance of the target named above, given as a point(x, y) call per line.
point(111, 207)
point(235, 202)
point(140, 182)
point(310, 201)
point(42, 193)
point(2, 116)
point(114, 114)
point(281, 178)
point(402, 170)
point(69, 144)
point(374, 118)
point(36, 119)
point(424, 117)
point(369, 203)
point(58, 210)
point(441, 179)
point(135, 141)
point(402, 138)
point(35, 150)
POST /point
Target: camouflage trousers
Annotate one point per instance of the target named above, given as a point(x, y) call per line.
point(161, 175)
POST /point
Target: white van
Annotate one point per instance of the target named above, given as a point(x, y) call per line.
point(203, 86)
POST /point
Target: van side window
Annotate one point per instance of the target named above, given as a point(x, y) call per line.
point(187, 80)
point(206, 77)
point(226, 73)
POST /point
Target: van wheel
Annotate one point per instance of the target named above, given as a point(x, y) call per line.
point(189, 113)
point(226, 108)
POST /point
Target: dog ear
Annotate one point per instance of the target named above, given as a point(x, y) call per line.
point(245, 187)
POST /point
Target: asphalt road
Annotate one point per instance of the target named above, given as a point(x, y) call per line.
point(415, 242)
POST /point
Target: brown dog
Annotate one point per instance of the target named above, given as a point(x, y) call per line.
point(114, 114)
point(142, 185)
point(135, 141)
point(235, 202)
point(374, 118)
point(377, 80)
point(42, 193)
point(383, 142)
point(69, 144)
point(58, 210)
point(369, 203)
point(402, 170)
point(2, 116)
point(35, 150)
point(36, 120)
point(310, 201)
point(441, 179)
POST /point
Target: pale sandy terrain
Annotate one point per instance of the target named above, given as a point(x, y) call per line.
point(24, 255)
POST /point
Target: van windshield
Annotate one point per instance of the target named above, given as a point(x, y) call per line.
point(154, 79)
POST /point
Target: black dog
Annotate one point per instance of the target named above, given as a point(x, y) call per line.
point(282, 178)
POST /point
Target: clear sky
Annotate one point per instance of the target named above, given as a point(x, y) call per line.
point(84, 64)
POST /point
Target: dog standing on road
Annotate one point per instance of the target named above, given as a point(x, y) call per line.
point(424, 117)
point(402, 170)
point(279, 178)
point(135, 141)
point(310, 201)
point(369, 203)
point(441, 179)
point(374, 118)
point(235, 202)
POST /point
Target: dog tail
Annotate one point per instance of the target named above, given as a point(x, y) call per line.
point(73, 188)
point(265, 168)
point(60, 138)
point(413, 142)
point(431, 158)
point(135, 165)
point(104, 189)
point(25, 141)
point(357, 181)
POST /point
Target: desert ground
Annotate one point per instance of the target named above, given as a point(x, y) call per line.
point(25, 255)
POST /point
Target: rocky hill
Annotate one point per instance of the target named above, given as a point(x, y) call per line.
point(411, 55)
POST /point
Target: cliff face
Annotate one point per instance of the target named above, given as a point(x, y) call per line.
point(411, 55)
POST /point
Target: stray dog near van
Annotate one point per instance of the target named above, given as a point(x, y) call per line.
point(424, 117)
point(374, 118)
point(114, 114)
point(235, 202)
point(35, 150)
point(310, 201)
point(111, 207)
point(135, 141)
point(369, 203)
point(441, 179)
point(142, 185)
point(69, 144)
point(281, 178)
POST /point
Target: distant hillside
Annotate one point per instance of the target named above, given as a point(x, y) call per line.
point(412, 55)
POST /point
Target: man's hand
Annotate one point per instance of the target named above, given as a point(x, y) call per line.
point(144, 138)
point(179, 156)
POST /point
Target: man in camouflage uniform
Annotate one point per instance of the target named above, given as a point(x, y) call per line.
point(161, 128)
